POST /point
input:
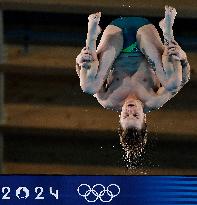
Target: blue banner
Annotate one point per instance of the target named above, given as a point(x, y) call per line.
point(123, 190)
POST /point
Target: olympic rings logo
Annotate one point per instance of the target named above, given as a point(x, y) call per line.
point(98, 191)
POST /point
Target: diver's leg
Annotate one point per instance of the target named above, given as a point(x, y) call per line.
point(110, 44)
point(112, 36)
point(152, 47)
point(109, 48)
point(99, 62)
point(166, 25)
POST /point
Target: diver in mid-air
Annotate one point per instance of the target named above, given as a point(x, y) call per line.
point(132, 71)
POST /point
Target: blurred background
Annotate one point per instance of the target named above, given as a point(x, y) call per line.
point(49, 126)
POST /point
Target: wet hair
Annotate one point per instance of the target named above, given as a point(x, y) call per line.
point(133, 141)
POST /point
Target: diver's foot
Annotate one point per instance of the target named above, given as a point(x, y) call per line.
point(167, 23)
point(170, 14)
point(93, 25)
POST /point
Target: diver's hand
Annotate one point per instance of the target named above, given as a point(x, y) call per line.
point(176, 51)
point(86, 67)
point(171, 59)
point(86, 58)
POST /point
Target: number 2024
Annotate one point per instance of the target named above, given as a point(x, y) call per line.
point(38, 190)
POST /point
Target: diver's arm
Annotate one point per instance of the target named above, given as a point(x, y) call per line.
point(86, 68)
point(185, 71)
point(176, 81)
point(176, 65)
point(172, 67)
point(159, 99)
point(163, 94)
point(93, 71)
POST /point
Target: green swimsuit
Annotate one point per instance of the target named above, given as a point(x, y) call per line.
point(130, 26)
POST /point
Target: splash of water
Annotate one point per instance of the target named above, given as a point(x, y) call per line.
point(139, 159)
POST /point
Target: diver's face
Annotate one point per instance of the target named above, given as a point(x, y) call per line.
point(132, 115)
